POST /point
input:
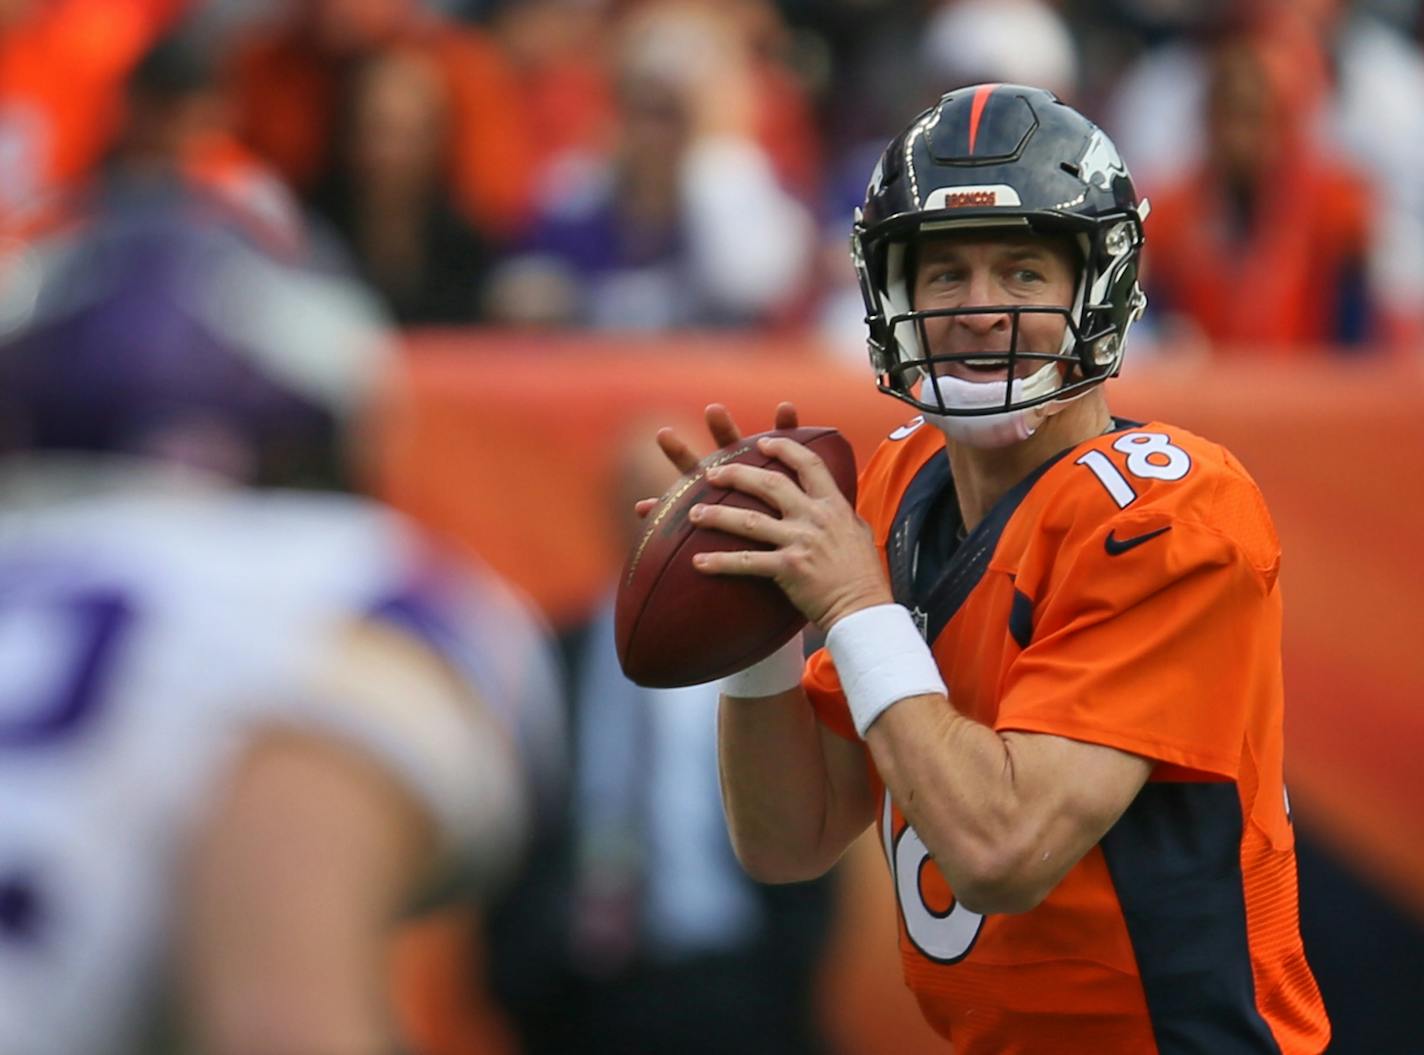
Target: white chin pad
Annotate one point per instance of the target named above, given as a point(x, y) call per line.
point(991, 430)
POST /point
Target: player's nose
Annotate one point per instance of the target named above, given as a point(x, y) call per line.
point(982, 293)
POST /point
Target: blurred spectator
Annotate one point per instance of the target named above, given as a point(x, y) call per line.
point(1374, 118)
point(290, 80)
point(63, 64)
point(1009, 41)
point(673, 948)
point(685, 222)
point(559, 51)
point(782, 120)
point(173, 136)
point(1364, 112)
point(177, 126)
point(385, 191)
point(1262, 246)
point(244, 727)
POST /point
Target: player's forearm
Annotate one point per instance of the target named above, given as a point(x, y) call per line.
point(955, 781)
point(787, 818)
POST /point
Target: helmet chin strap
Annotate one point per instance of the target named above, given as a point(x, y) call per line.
point(990, 431)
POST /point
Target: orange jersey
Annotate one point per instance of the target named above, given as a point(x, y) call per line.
point(1124, 594)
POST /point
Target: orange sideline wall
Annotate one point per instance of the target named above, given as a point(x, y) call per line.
point(506, 444)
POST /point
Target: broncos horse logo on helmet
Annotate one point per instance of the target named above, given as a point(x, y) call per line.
point(1001, 156)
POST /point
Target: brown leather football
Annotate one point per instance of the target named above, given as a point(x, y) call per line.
point(675, 625)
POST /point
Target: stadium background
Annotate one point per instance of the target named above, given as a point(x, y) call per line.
point(1288, 328)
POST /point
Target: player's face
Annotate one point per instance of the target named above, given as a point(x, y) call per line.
point(1002, 269)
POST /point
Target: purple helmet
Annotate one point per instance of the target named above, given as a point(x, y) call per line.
point(154, 316)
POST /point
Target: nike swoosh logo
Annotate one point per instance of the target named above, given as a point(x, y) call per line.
point(1116, 546)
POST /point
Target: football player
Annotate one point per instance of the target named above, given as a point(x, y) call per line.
point(1053, 671)
point(240, 727)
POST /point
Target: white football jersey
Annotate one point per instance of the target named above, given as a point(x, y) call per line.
point(145, 634)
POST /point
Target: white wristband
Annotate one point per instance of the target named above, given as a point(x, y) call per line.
point(881, 659)
point(777, 673)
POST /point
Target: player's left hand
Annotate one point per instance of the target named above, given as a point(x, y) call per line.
point(725, 433)
point(824, 557)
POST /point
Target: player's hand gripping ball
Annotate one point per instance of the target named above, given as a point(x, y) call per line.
point(675, 625)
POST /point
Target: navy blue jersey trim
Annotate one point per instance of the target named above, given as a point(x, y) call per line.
point(1021, 618)
point(915, 504)
point(969, 562)
point(1175, 861)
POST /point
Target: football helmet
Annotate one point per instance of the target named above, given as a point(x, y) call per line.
point(1000, 156)
point(150, 315)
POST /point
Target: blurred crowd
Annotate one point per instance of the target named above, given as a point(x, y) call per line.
point(188, 188)
point(649, 164)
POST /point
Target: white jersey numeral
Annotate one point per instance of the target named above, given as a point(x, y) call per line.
point(1150, 456)
point(945, 937)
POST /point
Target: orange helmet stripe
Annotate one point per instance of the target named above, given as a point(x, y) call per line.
point(981, 98)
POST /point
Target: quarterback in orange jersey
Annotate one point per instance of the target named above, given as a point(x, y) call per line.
point(1052, 672)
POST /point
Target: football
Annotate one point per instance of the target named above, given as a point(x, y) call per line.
point(677, 626)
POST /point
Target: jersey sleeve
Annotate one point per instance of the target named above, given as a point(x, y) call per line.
point(505, 681)
point(387, 694)
point(823, 687)
point(1158, 649)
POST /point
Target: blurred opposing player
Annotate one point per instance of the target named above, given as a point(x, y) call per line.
point(1053, 667)
point(240, 727)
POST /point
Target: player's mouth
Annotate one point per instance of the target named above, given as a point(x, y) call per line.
point(987, 368)
point(990, 365)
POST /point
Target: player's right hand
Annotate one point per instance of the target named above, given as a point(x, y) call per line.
point(724, 432)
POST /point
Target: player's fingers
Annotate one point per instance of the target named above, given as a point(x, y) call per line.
point(815, 476)
point(765, 563)
point(678, 452)
point(644, 506)
point(775, 489)
point(786, 415)
point(720, 424)
point(746, 523)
